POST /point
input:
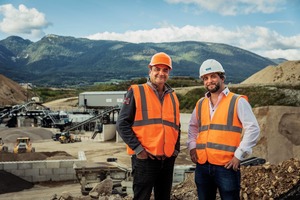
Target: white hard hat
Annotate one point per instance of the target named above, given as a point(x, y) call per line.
point(210, 66)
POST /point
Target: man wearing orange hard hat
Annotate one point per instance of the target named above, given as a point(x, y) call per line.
point(149, 124)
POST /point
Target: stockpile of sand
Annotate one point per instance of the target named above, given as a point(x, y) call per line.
point(285, 73)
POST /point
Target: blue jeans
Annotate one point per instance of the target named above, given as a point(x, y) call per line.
point(151, 174)
point(209, 178)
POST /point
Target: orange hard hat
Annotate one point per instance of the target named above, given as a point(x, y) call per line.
point(161, 58)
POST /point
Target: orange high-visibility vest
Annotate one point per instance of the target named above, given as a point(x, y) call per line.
point(220, 136)
point(156, 124)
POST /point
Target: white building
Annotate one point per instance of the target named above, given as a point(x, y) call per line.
point(101, 99)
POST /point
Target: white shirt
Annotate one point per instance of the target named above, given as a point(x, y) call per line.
point(245, 115)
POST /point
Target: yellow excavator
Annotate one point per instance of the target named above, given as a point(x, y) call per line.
point(23, 145)
point(3, 148)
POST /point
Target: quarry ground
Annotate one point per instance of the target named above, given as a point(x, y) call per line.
point(261, 182)
point(95, 151)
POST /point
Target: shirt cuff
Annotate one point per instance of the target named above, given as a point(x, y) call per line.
point(240, 154)
point(138, 150)
point(192, 145)
point(175, 153)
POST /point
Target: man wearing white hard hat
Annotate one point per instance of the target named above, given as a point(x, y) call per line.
point(215, 138)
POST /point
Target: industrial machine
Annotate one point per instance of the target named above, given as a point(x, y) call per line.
point(56, 136)
point(253, 161)
point(23, 145)
point(93, 173)
point(90, 174)
point(66, 137)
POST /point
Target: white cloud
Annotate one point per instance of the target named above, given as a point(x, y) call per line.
point(281, 22)
point(21, 20)
point(259, 40)
point(290, 54)
point(235, 7)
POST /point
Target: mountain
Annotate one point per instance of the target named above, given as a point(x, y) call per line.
point(64, 61)
point(10, 66)
point(279, 60)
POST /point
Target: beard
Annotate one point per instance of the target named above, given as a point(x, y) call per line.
point(215, 89)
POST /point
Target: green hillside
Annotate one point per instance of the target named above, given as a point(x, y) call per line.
point(67, 61)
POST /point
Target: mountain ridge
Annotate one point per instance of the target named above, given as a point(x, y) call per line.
point(65, 60)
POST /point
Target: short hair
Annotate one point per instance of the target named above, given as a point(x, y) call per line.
point(222, 75)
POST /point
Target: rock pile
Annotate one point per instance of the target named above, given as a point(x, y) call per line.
point(266, 181)
point(271, 181)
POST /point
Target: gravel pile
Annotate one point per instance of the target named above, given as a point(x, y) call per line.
point(265, 181)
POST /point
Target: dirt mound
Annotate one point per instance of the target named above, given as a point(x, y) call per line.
point(56, 155)
point(12, 183)
point(285, 73)
point(11, 93)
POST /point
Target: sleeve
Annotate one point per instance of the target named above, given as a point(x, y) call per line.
point(125, 122)
point(251, 129)
point(192, 131)
point(177, 145)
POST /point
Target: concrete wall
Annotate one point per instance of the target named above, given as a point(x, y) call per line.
point(44, 170)
point(108, 133)
point(118, 137)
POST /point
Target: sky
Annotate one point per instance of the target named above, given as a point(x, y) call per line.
point(269, 28)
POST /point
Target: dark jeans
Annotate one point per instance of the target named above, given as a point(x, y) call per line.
point(151, 174)
point(210, 177)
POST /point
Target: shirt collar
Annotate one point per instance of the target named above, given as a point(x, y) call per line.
point(167, 88)
point(225, 92)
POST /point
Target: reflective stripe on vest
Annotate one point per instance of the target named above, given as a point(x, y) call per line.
point(216, 146)
point(146, 120)
point(211, 146)
point(156, 124)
